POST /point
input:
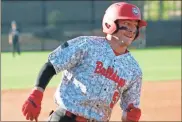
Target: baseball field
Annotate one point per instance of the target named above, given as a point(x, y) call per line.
point(160, 96)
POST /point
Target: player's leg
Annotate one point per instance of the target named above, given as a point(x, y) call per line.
point(59, 116)
point(13, 48)
point(18, 47)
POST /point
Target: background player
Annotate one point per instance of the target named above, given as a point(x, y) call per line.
point(97, 72)
point(14, 36)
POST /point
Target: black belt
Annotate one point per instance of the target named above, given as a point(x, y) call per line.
point(78, 118)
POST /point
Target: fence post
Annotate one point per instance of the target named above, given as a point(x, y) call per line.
point(160, 9)
point(92, 16)
point(44, 22)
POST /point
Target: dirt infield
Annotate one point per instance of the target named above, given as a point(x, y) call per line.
point(160, 101)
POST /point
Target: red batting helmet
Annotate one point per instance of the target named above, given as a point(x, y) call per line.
point(123, 11)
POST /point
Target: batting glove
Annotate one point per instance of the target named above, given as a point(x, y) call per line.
point(133, 113)
point(32, 106)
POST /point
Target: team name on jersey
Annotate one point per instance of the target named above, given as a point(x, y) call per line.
point(109, 73)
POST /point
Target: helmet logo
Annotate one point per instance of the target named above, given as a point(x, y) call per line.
point(118, 4)
point(135, 11)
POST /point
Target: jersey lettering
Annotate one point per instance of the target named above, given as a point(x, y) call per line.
point(109, 73)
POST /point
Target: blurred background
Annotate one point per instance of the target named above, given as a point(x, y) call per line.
point(44, 25)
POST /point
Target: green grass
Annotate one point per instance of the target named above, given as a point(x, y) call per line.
point(159, 64)
point(22, 71)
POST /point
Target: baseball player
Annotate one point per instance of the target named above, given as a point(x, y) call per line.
point(14, 40)
point(97, 72)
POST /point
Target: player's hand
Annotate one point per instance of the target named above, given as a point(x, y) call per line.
point(133, 114)
point(32, 106)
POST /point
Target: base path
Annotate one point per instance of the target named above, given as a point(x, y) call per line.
point(160, 101)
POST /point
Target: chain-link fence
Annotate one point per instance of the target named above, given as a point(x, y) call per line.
point(46, 24)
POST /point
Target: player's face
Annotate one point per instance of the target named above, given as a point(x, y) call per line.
point(126, 36)
point(13, 26)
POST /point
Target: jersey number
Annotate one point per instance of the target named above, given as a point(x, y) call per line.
point(114, 99)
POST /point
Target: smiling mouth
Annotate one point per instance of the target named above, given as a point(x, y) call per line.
point(128, 35)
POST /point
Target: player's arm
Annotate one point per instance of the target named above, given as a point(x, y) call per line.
point(10, 38)
point(130, 101)
point(62, 58)
point(45, 75)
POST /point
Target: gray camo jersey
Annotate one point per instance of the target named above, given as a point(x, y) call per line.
point(94, 79)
